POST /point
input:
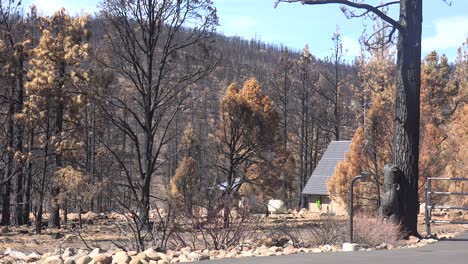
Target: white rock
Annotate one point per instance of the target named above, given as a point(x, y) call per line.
point(193, 256)
point(15, 254)
point(102, 259)
point(163, 258)
point(175, 260)
point(152, 254)
point(185, 250)
point(316, 250)
point(94, 252)
point(68, 253)
point(7, 251)
point(32, 257)
point(53, 260)
point(326, 248)
point(183, 258)
point(120, 257)
point(275, 249)
point(83, 260)
point(82, 252)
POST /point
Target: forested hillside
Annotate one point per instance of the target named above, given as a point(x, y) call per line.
point(128, 110)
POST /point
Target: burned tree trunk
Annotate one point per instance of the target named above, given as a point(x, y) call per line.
point(393, 194)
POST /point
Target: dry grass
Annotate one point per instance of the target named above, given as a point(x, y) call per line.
point(373, 231)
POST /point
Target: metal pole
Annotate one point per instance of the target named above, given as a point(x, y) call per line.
point(428, 206)
point(351, 208)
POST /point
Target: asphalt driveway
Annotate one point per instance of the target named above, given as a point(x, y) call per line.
point(453, 251)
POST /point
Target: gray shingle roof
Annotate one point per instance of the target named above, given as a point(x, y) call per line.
point(317, 183)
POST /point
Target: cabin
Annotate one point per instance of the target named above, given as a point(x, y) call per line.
point(316, 187)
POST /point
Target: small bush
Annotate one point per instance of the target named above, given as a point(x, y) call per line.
point(373, 231)
point(327, 230)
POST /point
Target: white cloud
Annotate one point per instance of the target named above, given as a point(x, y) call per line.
point(351, 46)
point(48, 7)
point(244, 26)
point(449, 33)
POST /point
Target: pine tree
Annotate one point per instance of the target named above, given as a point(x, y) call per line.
point(55, 75)
point(438, 102)
point(356, 161)
point(246, 139)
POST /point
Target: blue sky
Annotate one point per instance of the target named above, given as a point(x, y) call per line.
point(294, 25)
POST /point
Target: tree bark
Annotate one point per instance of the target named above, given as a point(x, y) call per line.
point(406, 130)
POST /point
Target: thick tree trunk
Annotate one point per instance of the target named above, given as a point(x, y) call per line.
point(406, 133)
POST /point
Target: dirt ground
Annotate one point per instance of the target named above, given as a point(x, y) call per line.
point(100, 231)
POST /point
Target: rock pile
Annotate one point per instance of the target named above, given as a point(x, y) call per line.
point(185, 254)
point(151, 256)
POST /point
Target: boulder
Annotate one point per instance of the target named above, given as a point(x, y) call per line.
point(194, 256)
point(83, 260)
point(102, 259)
point(316, 250)
point(14, 254)
point(68, 253)
point(8, 260)
point(82, 252)
point(290, 250)
point(185, 250)
point(142, 256)
point(326, 248)
point(120, 257)
point(33, 257)
point(163, 258)
point(161, 261)
point(69, 260)
point(138, 261)
point(275, 249)
point(172, 254)
point(94, 252)
point(152, 254)
point(183, 258)
point(53, 260)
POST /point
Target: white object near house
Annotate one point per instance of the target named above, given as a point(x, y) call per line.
point(276, 206)
point(350, 247)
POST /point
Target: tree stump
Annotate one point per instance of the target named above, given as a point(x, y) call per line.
point(392, 200)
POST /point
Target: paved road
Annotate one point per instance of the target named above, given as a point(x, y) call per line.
point(454, 251)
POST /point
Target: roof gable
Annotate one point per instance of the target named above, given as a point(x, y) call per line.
point(317, 183)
